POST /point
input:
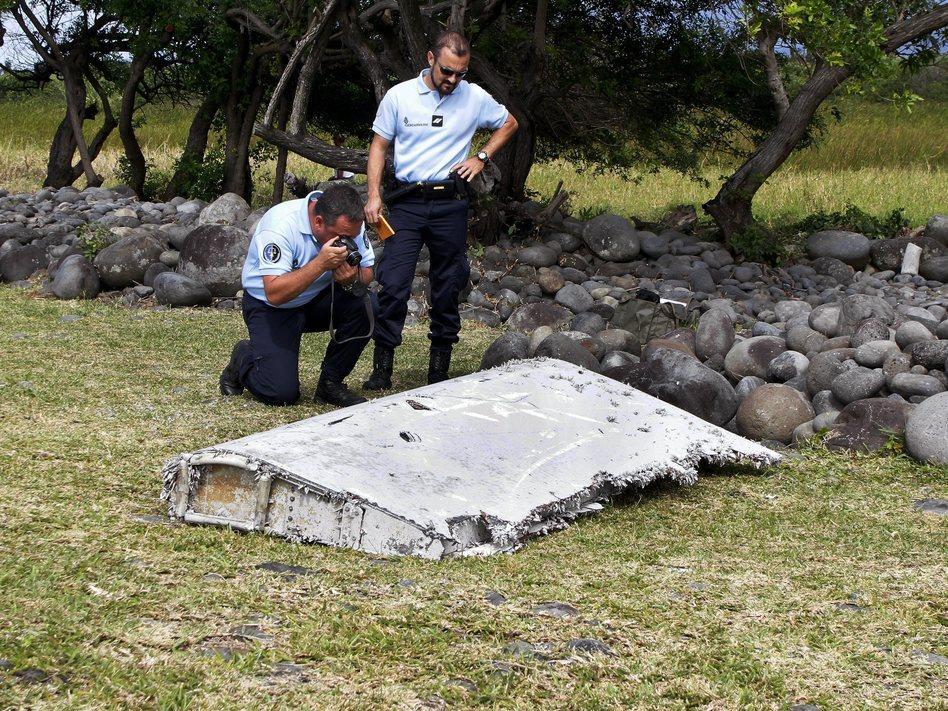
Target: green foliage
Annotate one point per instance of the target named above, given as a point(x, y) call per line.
point(202, 179)
point(93, 238)
point(587, 212)
point(759, 244)
point(855, 219)
point(155, 180)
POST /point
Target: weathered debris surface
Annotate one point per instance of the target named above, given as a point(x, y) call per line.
point(470, 466)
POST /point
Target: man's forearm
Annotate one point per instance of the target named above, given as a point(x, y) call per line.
point(500, 137)
point(374, 169)
point(286, 287)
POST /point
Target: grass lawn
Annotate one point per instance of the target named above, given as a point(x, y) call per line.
point(816, 581)
point(877, 157)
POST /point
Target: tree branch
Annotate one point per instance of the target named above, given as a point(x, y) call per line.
point(766, 41)
point(314, 149)
point(356, 41)
point(413, 27)
point(317, 26)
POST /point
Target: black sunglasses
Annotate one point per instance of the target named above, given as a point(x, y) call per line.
point(452, 72)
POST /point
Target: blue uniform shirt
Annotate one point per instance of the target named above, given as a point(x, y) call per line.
point(284, 241)
point(432, 133)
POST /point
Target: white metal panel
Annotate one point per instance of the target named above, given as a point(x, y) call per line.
point(480, 462)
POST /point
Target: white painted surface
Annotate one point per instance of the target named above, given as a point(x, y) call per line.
point(911, 259)
point(505, 447)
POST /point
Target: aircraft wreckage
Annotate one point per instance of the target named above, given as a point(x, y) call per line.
point(470, 466)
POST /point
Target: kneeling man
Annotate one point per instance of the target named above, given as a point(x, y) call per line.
point(296, 280)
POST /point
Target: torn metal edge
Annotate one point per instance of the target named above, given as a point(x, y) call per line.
point(181, 476)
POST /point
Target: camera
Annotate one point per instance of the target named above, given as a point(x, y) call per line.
point(353, 256)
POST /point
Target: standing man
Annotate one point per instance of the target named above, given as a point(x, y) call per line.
point(431, 119)
point(296, 280)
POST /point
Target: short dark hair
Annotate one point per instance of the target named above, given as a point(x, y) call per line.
point(453, 41)
point(338, 200)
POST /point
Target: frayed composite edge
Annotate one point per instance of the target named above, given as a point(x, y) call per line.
point(506, 536)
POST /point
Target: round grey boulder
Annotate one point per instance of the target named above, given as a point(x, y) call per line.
point(537, 256)
point(937, 228)
point(926, 432)
point(752, 356)
point(213, 255)
point(857, 308)
point(803, 339)
point(173, 289)
point(612, 238)
point(76, 278)
point(874, 353)
point(153, 271)
point(825, 367)
point(930, 354)
point(935, 269)
point(562, 347)
point(825, 319)
point(866, 425)
point(748, 384)
point(872, 329)
point(22, 262)
point(530, 317)
point(912, 332)
point(786, 310)
point(684, 382)
point(618, 339)
point(124, 263)
point(550, 280)
point(510, 346)
point(773, 412)
point(575, 298)
point(715, 334)
point(914, 384)
point(787, 365)
point(588, 322)
point(850, 248)
point(229, 209)
point(857, 384)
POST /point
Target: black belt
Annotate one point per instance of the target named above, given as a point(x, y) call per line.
point(453, 188)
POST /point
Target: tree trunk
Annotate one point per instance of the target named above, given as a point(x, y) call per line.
point(194, 147)
point(243, 102)
point(732, 208)
point(105, 130)
point(515, 160)
point(282, 155)
point(133, 151)
point(59, 164)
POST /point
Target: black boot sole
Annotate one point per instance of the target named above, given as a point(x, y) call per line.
point(229, 385)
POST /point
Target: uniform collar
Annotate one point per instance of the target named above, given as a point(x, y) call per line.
point(305, 227)
point(420, 82)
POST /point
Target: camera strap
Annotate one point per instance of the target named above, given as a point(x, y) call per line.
point(368, 312)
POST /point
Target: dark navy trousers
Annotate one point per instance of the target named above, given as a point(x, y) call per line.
point(442, 226)
point(270, 368)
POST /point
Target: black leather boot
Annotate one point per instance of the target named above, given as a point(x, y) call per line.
point(383, 361)
point(439, 361)
point(230, 378)
point(336, 393)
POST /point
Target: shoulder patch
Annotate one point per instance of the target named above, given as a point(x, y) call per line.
point(365, 241)
point(271, 253)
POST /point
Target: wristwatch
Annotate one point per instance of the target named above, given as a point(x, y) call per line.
point(482, 155)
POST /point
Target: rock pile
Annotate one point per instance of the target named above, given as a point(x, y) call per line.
point(202, 245)
point(843, 343)
point(853, 340)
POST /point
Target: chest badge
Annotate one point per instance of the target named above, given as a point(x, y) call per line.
point(437, 121)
